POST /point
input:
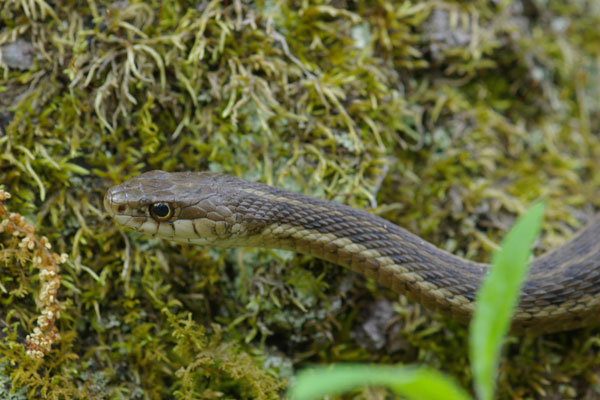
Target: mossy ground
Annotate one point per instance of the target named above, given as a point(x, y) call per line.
point(448, 118)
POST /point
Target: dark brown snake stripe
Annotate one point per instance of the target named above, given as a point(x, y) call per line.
point(562, 291)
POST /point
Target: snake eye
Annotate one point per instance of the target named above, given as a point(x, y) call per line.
point(161, 211)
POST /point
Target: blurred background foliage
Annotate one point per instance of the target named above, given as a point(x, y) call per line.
point(446, 117)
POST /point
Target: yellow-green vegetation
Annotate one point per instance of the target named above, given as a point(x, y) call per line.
point(445, 117)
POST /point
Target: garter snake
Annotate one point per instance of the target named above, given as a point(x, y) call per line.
point(562, 290)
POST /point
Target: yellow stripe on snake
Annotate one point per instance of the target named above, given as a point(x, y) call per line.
point(562, 290)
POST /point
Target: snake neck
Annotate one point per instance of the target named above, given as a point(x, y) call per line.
point(362, 242)
point(408, 264)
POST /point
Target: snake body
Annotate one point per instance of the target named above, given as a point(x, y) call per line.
point(562, 290)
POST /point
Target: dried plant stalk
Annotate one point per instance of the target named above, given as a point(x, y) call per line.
point(38, 250)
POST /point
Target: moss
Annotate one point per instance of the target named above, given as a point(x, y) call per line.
point(447, 118)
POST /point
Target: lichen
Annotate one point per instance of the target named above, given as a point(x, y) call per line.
point(447, 118)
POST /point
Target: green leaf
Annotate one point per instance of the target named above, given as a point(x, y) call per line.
point(498, 297)
point(411, 382)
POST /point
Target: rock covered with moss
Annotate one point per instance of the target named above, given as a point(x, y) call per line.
point(446, 118)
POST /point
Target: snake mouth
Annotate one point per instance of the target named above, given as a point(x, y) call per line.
point(116, 211)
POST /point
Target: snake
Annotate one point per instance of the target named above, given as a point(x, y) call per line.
point(561, 292)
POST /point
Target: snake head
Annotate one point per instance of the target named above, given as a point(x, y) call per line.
point(185, 207)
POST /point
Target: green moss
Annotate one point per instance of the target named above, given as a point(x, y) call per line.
point(447, 118)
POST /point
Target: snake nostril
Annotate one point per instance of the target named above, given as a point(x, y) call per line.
point(121, 209)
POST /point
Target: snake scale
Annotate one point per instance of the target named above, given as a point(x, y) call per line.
point(562, 290)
